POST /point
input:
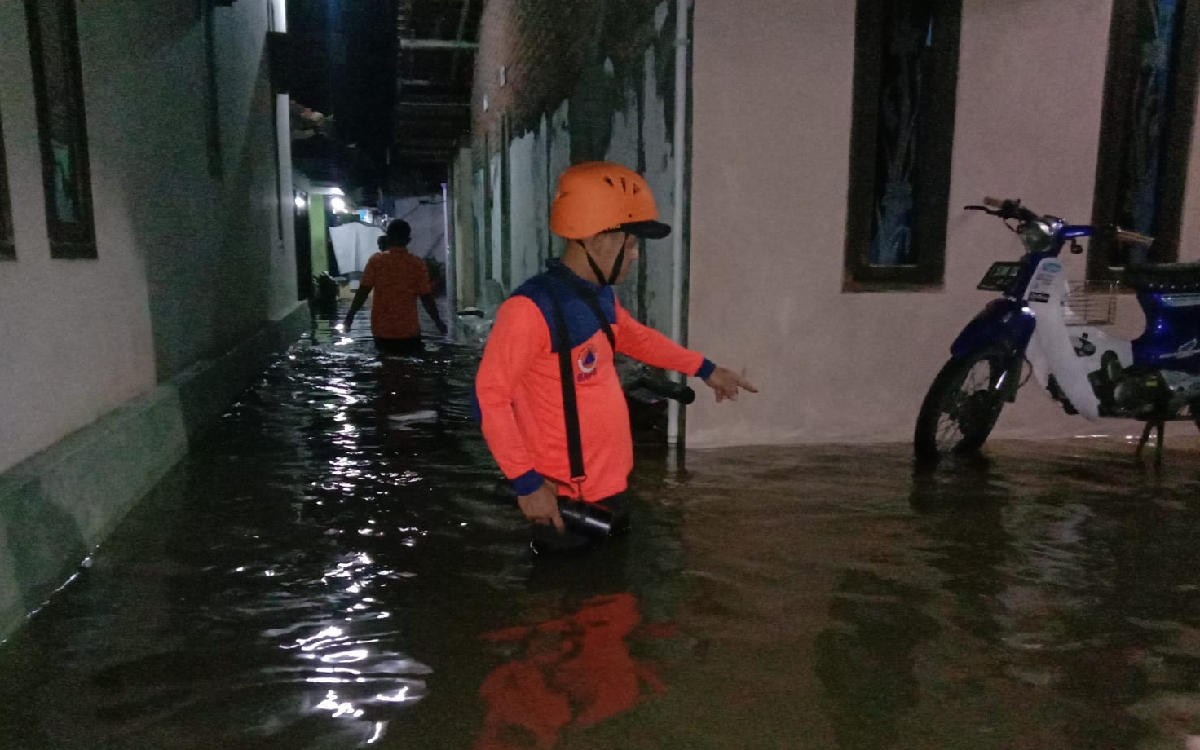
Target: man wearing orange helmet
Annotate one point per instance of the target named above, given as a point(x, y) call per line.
point(553, 412)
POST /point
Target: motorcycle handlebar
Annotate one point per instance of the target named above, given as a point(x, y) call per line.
point(1136, 238)
point(1012, 209)
point(1009, 208)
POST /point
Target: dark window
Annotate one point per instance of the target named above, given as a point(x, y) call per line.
point(8, 250)
point(62, 127)
point(905, 75)
point(1146, 128)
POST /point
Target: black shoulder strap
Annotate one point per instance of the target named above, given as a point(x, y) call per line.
point(570, 405)
point(562, 337)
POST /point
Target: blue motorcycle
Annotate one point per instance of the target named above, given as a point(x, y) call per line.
point(1037, 319)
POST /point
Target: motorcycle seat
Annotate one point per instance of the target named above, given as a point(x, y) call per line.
point(1163, 277)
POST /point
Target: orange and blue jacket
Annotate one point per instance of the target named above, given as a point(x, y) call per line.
point(519, 389)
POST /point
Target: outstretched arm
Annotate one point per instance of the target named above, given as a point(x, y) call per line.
point(726, 383)
point(647, 345)
point(653, 348)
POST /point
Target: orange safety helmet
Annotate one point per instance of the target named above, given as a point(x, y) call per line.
point(596, 196)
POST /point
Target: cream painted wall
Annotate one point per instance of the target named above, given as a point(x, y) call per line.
point(1189, 238)
point(189, 263)
point(75, 335)
point(282, 288)
point(771, 136)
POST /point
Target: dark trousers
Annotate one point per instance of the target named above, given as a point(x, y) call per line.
point(413, 345)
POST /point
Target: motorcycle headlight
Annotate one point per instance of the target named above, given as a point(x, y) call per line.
point(1036, 235)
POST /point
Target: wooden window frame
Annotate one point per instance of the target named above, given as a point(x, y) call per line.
point(1115, 134)
point(68, 239)
point(932, 163)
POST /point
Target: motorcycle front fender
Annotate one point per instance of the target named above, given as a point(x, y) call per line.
point(1003, 321)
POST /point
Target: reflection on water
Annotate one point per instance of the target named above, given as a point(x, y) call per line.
point(569, 671)
point(331, 570)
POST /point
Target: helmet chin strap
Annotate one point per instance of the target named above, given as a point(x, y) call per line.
point(616, 269)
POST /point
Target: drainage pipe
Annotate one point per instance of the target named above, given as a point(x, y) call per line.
point(679, 235)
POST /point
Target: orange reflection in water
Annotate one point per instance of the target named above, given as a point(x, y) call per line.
point(573, 671)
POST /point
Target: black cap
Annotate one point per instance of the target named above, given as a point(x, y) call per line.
point(648, 230)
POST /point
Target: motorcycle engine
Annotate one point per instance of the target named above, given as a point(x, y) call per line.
point(1143, 393)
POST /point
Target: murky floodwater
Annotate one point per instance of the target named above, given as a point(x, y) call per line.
point(330, 570)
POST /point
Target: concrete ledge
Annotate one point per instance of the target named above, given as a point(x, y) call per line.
point(57, 506)
point(207, 388)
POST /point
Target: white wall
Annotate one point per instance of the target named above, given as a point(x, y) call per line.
point(772, 111)
point(558, 137)
point(462, 231)
point(535, 159)
point(496, 243)
point(188, 264)
point(242, 267)
point(660, 175)
point(529, 206)
point(283, 248)
point(1189, 238)
point(424, 216)
point(640, 134)
point(75, 333)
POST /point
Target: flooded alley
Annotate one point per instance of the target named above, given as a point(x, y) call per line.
point(332, 568)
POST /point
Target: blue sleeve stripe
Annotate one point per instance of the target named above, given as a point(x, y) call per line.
point(706, 369)
point(528, 482)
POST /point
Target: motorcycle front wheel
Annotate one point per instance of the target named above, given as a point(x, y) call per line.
point(962, 405)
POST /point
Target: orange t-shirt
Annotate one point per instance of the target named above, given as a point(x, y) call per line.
point(397, 278)
point(520, 397)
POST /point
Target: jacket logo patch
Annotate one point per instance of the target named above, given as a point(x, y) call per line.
point(586, 363)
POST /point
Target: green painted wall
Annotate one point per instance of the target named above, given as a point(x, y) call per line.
point(316, 228)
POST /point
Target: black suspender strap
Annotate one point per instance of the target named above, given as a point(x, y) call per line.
point(570, 405)
point(566, 371)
